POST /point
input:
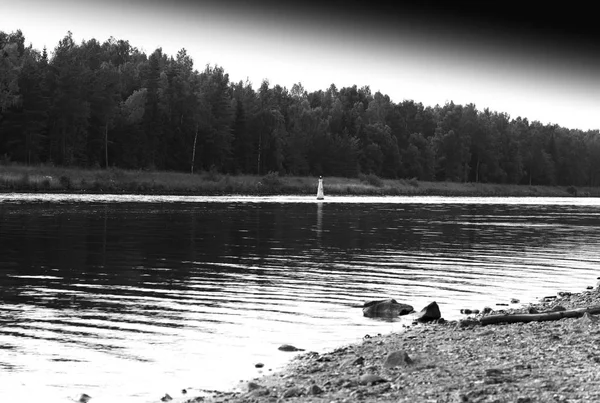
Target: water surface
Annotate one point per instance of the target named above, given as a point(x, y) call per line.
point(126, 298)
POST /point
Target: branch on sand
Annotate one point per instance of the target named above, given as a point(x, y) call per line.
point(539, 317)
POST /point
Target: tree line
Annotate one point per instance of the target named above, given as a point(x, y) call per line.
point(110, 105)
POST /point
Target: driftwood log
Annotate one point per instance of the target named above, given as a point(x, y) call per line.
point(539, 317)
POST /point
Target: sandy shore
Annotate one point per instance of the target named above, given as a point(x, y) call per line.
point(452, 361)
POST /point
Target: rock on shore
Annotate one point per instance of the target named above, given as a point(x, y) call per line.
point(457, 361)
point(386, 308)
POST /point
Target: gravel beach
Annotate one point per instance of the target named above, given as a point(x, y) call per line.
point(449, 361)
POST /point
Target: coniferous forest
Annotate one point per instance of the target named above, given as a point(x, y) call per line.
point(96, 105)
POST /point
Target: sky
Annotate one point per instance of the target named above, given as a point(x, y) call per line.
point(537, 64)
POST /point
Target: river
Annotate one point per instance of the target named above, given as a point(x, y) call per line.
point(126, 298)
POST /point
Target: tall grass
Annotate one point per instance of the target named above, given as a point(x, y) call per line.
point(16, 178)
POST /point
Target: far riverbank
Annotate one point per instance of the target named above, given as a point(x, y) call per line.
point(14, 178)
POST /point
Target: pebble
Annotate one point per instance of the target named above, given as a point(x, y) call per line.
point(259, 392)
point(371, 379)
point(253, 386)
point(493, 372)
point(354, 361)
point(294, 391)
point(288, 347)
point(397, 358)
point(314, 390)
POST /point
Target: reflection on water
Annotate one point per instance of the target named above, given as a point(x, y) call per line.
point(127, 297)
point(319, 223)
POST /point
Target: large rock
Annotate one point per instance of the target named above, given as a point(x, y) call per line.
point(386, 308)
point(429, 313)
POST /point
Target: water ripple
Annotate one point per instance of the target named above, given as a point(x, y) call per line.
point(95, 287)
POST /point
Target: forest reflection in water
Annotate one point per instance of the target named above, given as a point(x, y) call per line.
point(129, 298)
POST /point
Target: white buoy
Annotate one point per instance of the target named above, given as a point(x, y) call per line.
point(320, 195)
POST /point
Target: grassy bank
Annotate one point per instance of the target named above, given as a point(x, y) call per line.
point(15, 178)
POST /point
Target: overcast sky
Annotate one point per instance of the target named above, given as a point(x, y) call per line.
point(529, 64)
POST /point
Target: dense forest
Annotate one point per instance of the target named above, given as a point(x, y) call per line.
point(110, 105)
